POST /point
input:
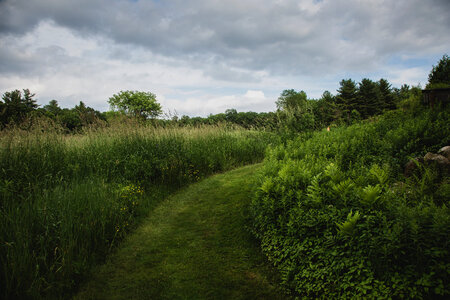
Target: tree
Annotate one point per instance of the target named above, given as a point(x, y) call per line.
point(231, 115)
point(87, 114)
point(386, 94)
point(135, 103)
point(369, 100)
point(347, 99)
point(294, 111)
point(70, 119)
point(14, 106)
point(52, 108)
point(324, 110)
point(440, 74)
point(290, 100)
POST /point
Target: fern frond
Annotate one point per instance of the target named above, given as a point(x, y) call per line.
point(382, 174)
point(343, 187)
point(346, 228)
point(313, 191)
point(370, 195)
point(333, 172)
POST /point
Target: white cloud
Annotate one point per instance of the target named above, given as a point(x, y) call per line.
point(203, 57)
point(203, 105)
point(410, 76)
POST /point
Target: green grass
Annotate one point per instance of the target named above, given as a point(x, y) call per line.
point(67, 201)
point(194, 245)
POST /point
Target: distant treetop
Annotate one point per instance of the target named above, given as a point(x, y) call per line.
point(439, 76)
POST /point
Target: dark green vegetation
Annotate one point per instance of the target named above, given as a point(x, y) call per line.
point(194, 245)
point(337, 217)
point(66, 201)
point(15, 106)
point(439, 76)
point(333, 210)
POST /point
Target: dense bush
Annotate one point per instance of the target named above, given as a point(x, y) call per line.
point(337, 217)
point(65, 201)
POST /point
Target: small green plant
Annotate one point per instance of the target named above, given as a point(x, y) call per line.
point(346, 228)
point(370, 195)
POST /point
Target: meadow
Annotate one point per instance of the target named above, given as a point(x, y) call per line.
point(68, 200)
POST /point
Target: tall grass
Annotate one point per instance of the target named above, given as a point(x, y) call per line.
point(66, 201)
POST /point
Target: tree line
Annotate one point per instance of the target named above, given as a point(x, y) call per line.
point(295, 112)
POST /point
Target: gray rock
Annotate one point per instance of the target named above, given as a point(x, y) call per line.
point(439, 159)
point(445, 151)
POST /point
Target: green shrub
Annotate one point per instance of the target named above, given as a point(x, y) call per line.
point(336, 216)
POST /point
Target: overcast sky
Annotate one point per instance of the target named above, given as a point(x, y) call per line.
point(202, 57)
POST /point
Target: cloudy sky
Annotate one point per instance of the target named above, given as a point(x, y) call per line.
point(204, 56)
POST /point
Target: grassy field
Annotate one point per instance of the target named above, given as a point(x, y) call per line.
point(66, 201)
point(194, 245)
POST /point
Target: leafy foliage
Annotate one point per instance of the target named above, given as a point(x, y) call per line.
point(337, 218)
point(15, 106)
point(440, 74)
point(135, 103)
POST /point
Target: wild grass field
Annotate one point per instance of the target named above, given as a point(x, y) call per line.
point(67, 200)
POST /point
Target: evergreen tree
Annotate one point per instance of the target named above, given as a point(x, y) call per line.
point(386, 94)
point(52, 109)
point(324, 110)
point(15, 106)
point(440, 74)
point(346, 99)
point(369, 100)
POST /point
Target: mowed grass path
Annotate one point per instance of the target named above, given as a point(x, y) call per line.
point(195, 245)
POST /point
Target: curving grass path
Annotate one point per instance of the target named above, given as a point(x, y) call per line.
point(193, 246)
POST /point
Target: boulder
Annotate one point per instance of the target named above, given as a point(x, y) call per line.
point(412, 165)
point(437, 160)
point(445, 151)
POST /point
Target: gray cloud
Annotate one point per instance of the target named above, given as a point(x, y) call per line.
point(94, 48)
point(280, 36)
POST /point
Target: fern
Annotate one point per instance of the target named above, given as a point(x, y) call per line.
point(382, 174)
point(342, 188)
point(333, 172)
point(370, 195)
point(346, 228)
point(313, 191)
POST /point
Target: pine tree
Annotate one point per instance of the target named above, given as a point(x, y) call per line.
point(14, 106)
point(369, 100)
point(347, 99)
point(440, 74)
point(386, 94)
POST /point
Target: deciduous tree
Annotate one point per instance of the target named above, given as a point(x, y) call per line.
point(135, 103)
